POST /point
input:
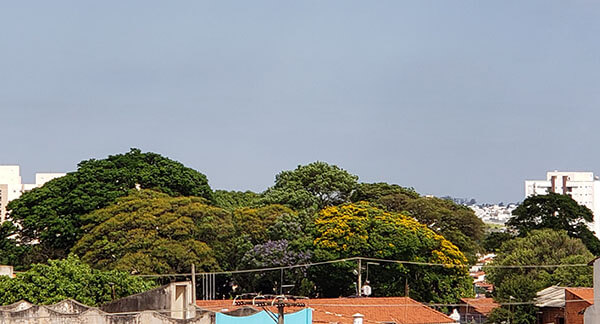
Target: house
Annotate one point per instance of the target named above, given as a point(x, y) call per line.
point(399, 310)
point(563, 305)
point(476, 310)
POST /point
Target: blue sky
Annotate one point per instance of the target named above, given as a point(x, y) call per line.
point(461, 98)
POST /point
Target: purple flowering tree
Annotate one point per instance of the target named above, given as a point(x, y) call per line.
point(275, 254)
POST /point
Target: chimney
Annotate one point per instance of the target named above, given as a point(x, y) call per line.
point(358, 318)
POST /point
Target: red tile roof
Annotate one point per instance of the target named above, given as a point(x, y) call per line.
point(483, 306)
point(401, 310)
point(586, 294)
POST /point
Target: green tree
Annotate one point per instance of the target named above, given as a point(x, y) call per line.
point(360, 229)
point(520, 284)
point(315, 185)
point(51, 215)
point(149, 232)
point(558, 212)
point(254, 223)
point(231, 200)
point(455, 222)
point(10, 251)
point(373, 192)
point(493, 240)
point(69, 279)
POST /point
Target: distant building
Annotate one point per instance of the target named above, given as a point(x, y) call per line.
point(12, 186)
point(583, 187)
point(6, 270)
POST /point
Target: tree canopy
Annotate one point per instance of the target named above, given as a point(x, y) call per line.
point(149, 232)
point(558, 212)
point(539, 247)
point(360, 229)
point(317, 184)
point(51, 215)
point(231, 200)
point(69, 279)
point(455, 222)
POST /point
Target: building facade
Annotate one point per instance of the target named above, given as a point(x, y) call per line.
point(583, 187)
point(12, 186)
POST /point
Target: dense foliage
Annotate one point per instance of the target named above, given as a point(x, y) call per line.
point(316, 185)
point(69, 279)
point(173, 219)
point(558, 212)
point(360, 229)
point(52, 214)
point(539, 247)
point(456, 223)
point(231, 200)
point(149, 232)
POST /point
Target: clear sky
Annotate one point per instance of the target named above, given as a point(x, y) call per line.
point(461, 98)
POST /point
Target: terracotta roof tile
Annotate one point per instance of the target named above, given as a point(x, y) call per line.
point(401, 310)
point(483, 306)
point(586, 294)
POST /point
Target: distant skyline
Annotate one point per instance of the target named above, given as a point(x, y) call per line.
point(467, 99)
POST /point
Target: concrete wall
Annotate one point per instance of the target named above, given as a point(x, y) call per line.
point(174, 299)
point(72, 312)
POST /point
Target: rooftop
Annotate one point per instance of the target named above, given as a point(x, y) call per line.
point(483, 306)
point(400, 310)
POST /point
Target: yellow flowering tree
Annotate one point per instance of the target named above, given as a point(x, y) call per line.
point(360, 229)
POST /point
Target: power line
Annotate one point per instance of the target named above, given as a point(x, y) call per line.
point(306, 265)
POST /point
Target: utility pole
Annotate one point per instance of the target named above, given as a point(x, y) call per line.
point(359, 277)
point(194, 283)
point(281, 282)
point(280, 308)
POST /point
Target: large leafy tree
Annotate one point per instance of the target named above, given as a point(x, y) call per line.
point(254, 223)
point(149, 232)
point(360, 229)
point(10, 251)
point(520, 284)
point(51, 215)
point(315, 185)
point(558, 212)
point(69, 279)
point(275, 254)
point(456, 223)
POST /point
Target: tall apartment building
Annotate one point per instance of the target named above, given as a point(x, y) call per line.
point(583, 187)
point(12, 186)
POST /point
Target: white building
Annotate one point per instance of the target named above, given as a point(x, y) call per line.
point(583, 187)
point(12, 186)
